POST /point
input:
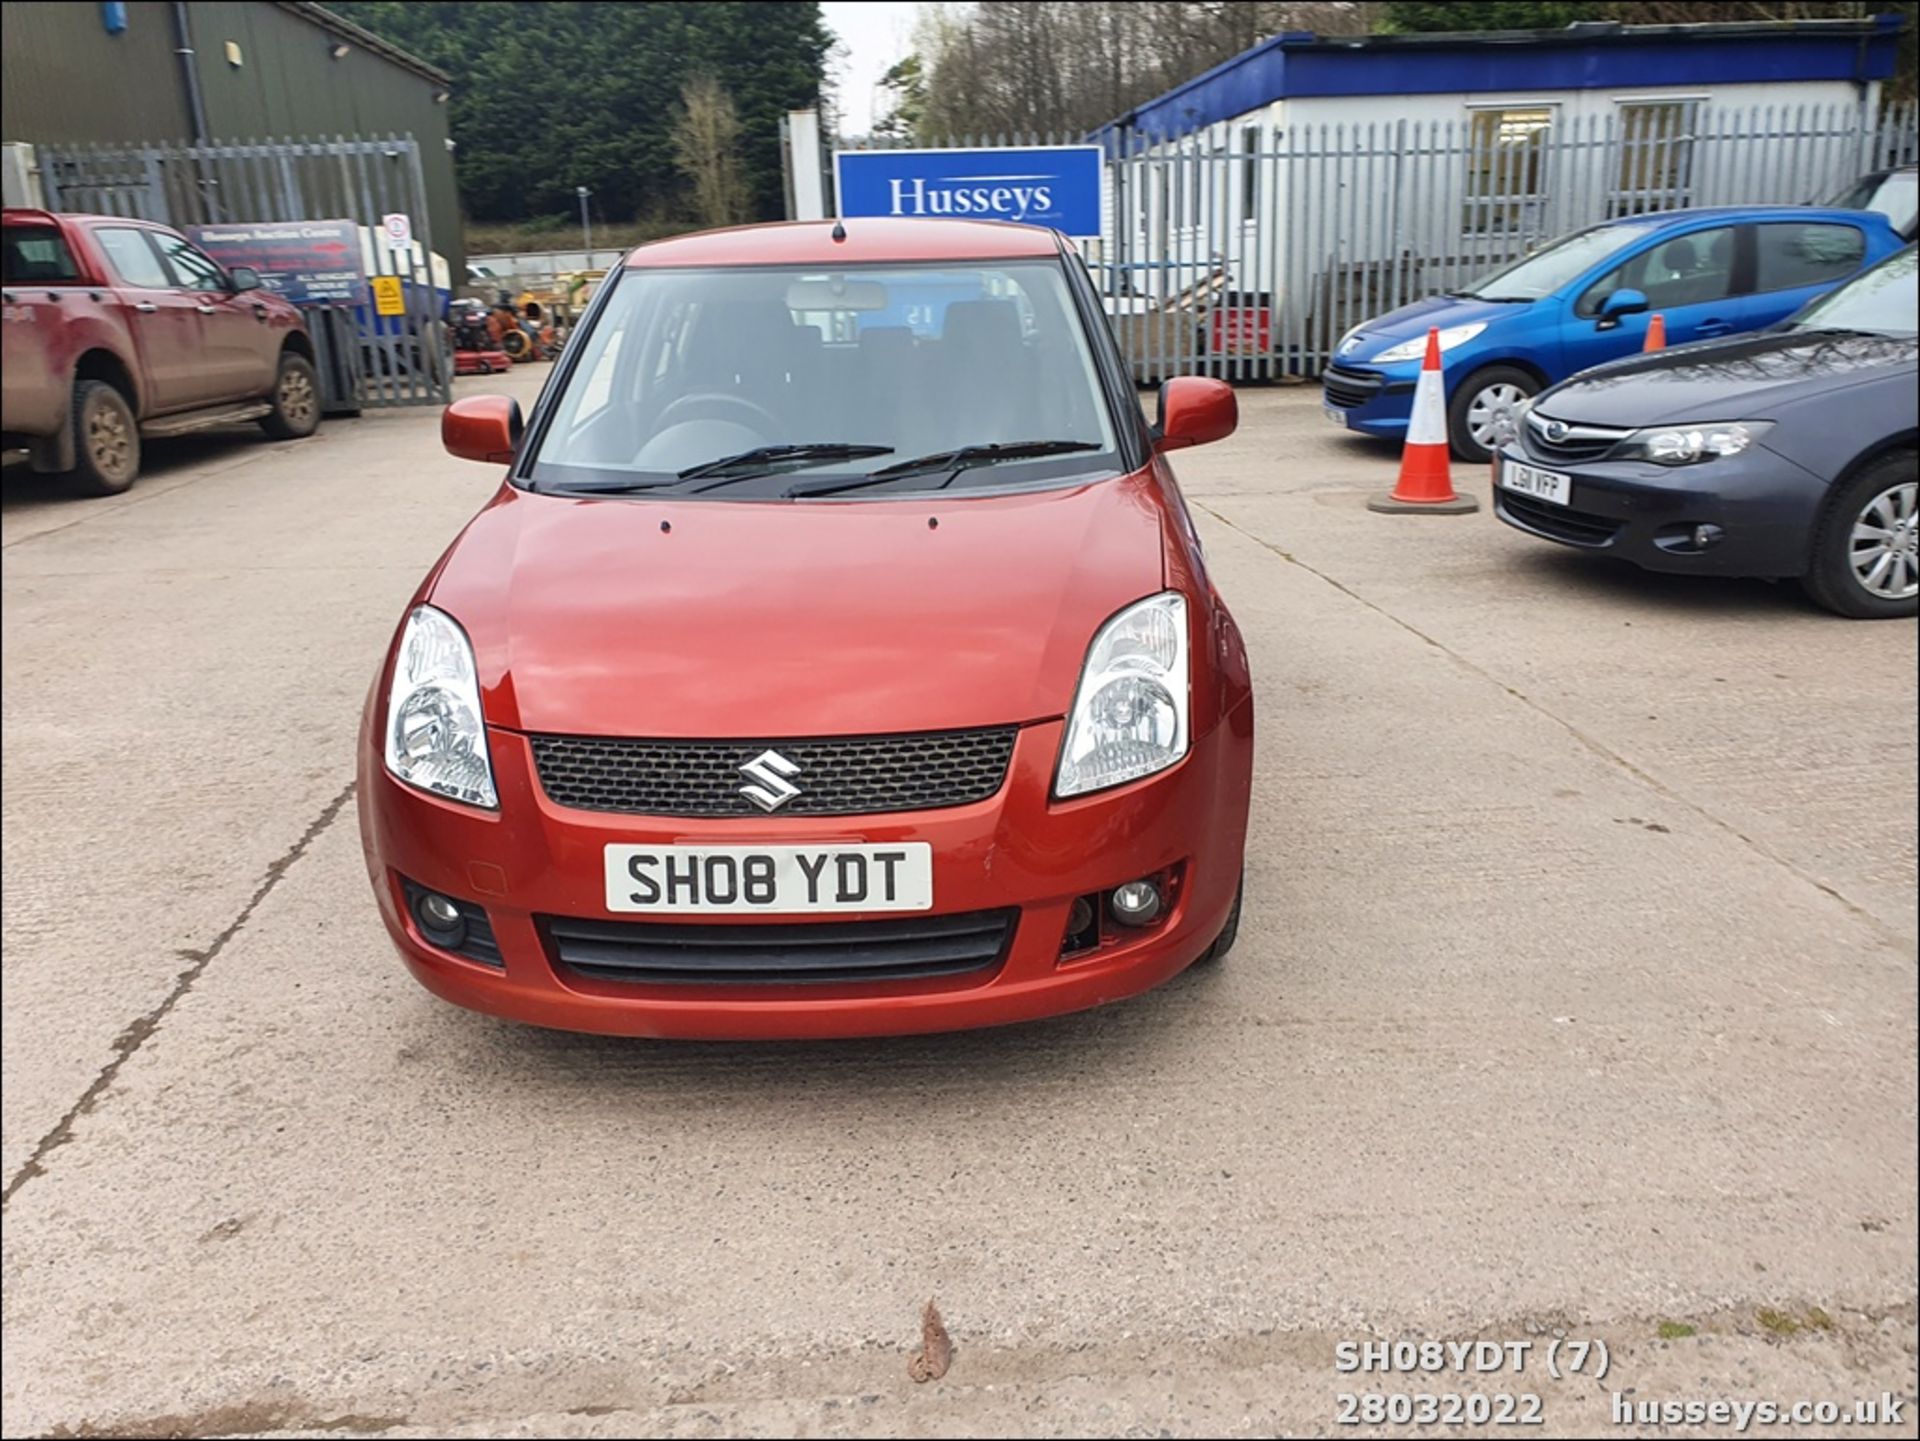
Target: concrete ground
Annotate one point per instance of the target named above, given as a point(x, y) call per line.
point(1575, 1000)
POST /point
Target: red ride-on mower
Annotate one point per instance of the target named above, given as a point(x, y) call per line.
point(475, 352)
point(481, 362)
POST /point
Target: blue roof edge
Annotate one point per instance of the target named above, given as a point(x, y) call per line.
point(1301, 64)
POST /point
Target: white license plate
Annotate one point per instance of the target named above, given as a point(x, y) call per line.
point(769, 880)
point(1550, 485)
point(1335, 415)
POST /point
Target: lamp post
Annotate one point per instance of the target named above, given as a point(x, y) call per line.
point(586, 225)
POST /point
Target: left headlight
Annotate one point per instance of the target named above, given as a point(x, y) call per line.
point(1129, 716)
point(1691, 444)
point(1416, 349)
point(435, 737)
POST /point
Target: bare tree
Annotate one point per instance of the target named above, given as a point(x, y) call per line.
point(706, 147)
point(1007, 66)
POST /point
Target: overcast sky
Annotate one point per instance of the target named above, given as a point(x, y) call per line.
point(875, 33)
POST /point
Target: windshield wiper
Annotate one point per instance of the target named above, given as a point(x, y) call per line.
point(952, 461)
point(783, 454)
point(749, 464)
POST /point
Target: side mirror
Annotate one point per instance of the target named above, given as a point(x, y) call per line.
point(244, 277)
point(1194, 410)
point(1621, 302)
point(482, 427)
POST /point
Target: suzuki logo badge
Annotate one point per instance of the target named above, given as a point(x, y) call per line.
point(770, 789)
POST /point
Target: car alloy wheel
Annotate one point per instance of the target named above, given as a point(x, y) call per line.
point(296, 396)
point(1494, 416)
point(109, 441)
point(1885, 548)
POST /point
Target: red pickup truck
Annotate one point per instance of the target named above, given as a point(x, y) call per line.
point(117, 330)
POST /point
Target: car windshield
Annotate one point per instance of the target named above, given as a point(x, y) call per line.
point(728, 383)
point(1895, 195)
point(1881, 302)
point(1553, 266)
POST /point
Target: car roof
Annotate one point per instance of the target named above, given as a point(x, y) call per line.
point(28, 215)
point(1662, 218)
point(864, 241)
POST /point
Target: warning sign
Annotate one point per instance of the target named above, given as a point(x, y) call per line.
point(387, 299)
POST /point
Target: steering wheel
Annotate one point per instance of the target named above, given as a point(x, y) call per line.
point(762, 419)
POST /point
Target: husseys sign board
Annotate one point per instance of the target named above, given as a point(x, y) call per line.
point(1053, 185)
point(310, 262)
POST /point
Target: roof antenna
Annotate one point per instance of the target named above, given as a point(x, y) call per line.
point(839, 232)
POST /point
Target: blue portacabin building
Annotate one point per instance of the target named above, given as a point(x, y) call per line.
point(1312, 182)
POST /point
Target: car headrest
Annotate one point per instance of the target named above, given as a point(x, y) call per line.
point(734, 337)
point(1678, 255)
point(983, 327)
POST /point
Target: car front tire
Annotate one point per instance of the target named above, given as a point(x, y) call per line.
point(296, 400)
point(1223, 942)
point(1864, 564)
point(1480, 403)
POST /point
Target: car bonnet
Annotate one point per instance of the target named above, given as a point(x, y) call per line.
point(765, 618)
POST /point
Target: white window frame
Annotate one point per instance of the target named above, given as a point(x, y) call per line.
point(1477, 209)
point(1624, 199)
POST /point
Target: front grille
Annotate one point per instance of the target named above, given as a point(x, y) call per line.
point(1580, 442)
point(840, 776)
point(813, 952)
point(1347, 388)
point(1557, 521)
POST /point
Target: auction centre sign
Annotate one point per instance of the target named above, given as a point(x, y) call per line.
point(310, 262)
point(1052, 185)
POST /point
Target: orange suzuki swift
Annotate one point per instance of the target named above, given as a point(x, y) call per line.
point(837, 657)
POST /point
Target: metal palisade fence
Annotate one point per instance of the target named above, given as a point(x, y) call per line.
point(365, 358)
point(1247, 250)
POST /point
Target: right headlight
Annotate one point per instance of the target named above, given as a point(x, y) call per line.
point(1417, 347)
point(436, 739)
point(1129, 716)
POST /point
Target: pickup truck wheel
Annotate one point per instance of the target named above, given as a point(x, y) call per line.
point(106, 439)
point(296, 400)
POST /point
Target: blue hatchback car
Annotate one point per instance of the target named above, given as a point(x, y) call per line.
point(1588, 298)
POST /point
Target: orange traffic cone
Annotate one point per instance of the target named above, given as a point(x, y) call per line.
point(1656, 333)
point(1426, 484)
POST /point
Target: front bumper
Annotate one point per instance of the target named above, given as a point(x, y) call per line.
point(1762, 506)
point(1019, 849)
point(1373, 399)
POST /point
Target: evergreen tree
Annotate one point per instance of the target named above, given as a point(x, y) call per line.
point(548, 97)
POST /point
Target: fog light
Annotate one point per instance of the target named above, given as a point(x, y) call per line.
point(1136, 903)
point(439, 919)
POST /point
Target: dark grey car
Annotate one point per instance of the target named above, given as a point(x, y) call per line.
point(1787, 453)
